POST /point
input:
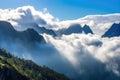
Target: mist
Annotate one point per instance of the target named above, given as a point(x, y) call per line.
point(43, 54)
point(93, 57)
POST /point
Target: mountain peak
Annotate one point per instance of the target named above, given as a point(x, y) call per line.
point(74, 28)
point(31, 35)
point(87, 29)
point(7, 28)
point(10, 36)
point(113, 31)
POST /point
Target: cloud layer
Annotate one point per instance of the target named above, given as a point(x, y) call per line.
point(98, 23)
point(90, 54)
point(23, 16)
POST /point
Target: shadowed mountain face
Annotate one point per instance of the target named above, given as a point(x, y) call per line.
point(87, 29)
point(7, 32)
point(76, 28)
point(13, 40)
point(30, 36)
point(37, 28)
point(42, 30)
point(113, 31)
point(13, 68)
point(6, 29)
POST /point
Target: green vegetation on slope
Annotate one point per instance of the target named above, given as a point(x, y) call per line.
point(13, 68)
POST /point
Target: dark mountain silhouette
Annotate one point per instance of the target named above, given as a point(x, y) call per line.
point(87, 29)
point(30, 35)
point(113, 31)
point(7, 32)
point(6, 29)
point(14, 68)
point(14, 41)
point(75, 28)
point(42, 30)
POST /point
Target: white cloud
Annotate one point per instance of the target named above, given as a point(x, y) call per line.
point(27, 14)
point(86, 51)
point(22, 16)
point(99, 47)
point(98, 23)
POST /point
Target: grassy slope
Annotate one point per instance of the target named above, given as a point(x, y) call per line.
point(19, 69)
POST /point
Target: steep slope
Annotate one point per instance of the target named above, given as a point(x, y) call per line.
point(7, 73)
point(19, 69)
point(20, 42)
point(113, 31)
point(87, 29)
point(30, 36)
point(8, 32)
point(13, 40)
point(6, 29)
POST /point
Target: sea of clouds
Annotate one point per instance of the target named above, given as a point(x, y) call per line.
point(22, 16)
point(79, 56)
point(90, 55)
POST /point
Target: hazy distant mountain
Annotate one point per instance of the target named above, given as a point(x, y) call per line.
point(113, 31)
point(42, 30)
point(13, 68)
point(7, 32)
point(19, 42)
point(76, 28)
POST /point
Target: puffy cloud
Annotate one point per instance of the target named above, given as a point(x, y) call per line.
point(22, 16)
point(89, 54)
point(93, 44)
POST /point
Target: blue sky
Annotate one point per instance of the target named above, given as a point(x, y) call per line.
point(68, 9)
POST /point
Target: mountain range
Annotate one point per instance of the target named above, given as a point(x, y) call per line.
point(75, 28)
point(14, 39)
point(113, 31)
point(41, 30)
point(8, 32)
point(32, 34)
